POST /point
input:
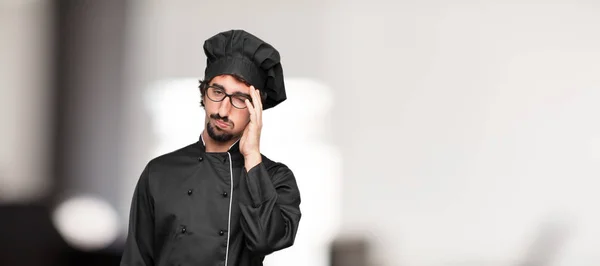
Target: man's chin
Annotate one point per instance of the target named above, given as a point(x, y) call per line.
point(217, 134)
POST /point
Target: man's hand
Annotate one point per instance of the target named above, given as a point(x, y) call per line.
point(250, 141)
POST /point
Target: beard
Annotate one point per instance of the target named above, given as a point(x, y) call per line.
point(218, 137)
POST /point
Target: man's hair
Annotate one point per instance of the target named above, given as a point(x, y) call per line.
point(204, 86)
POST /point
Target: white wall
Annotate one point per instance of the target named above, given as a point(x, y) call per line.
point(24, 100)
point(466, 129)
point(482, 126)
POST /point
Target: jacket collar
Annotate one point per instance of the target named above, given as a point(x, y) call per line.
point(234, 150)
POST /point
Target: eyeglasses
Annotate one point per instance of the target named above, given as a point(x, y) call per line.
point(217, 94)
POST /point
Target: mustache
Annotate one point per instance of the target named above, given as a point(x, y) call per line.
point(218, 117)
point(222, 118)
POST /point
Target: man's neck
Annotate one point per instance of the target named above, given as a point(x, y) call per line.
point(213, 146)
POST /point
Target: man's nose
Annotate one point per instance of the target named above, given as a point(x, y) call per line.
point(225, 107)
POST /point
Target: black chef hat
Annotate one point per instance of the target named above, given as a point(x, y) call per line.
point(241, 53)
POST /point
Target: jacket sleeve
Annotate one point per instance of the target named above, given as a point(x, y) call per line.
point(270, 208)
point(140, 238)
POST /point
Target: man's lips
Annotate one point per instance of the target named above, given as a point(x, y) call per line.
point(221, 124)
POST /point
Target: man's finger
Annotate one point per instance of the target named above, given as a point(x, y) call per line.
point(255, 101)
point(256, 104)
point(251, 110)
point(258, 108)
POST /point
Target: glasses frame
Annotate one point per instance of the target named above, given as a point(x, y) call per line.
point(226, 95)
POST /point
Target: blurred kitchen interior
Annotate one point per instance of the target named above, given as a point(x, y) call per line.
point(422, 133)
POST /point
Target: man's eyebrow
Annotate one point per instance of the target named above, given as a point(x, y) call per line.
point(237, 93)
point(218, 86)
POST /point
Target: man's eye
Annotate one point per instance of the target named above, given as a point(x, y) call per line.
point(241, 98)
point(218, 92)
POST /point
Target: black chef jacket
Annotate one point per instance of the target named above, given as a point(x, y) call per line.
point(192, 207)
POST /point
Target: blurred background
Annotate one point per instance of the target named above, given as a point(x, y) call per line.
point(421, 133)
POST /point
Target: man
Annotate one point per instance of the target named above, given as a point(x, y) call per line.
point(219, 201)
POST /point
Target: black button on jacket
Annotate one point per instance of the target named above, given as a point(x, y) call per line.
point(210, 211)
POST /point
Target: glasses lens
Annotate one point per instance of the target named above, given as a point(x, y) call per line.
point(216, 94)
point(239, 102)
